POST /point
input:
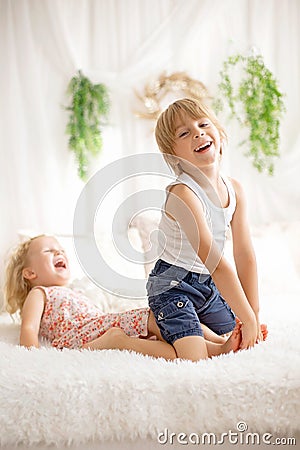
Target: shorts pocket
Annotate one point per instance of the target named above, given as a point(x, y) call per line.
point(177, 305)
point(176, 317)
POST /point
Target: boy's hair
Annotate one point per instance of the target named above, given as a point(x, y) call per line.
point(165, 126)
point(16, 287)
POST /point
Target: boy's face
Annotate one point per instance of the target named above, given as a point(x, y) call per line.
point(46, 263)
point(197, 141)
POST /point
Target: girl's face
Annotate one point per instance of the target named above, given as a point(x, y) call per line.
point(46, 263)
point(197, 141)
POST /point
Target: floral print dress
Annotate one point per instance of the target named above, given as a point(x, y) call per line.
point(70, 320)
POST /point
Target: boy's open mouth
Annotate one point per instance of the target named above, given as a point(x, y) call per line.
point(203, 147)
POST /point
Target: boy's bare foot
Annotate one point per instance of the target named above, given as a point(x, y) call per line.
point(264, 331)
point(232, 343)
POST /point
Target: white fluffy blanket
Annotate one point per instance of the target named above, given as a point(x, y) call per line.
point(75, 398)
point(72, 397)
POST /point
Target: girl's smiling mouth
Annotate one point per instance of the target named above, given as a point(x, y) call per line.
point(60, 264)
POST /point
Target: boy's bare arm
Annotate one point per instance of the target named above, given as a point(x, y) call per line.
point(243, 251)
point(184, 206)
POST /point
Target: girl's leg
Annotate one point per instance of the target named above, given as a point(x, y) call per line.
point(133, 322)
point(231, 344)
point(193, 348)
point(211, 336)
point(115, 338)
point(153, 329)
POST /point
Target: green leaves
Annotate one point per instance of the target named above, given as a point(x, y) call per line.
point(89, 106)
point(255, 100)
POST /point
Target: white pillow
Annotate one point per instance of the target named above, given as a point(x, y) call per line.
point(106, 301)
point(147, 223)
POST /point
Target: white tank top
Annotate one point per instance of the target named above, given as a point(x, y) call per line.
point(173, 244)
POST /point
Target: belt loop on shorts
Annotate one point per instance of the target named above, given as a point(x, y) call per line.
point(203, 277)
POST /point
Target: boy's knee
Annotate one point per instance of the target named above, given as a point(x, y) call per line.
point(192, 348)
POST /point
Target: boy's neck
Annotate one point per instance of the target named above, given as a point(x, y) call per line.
point(207, 177)
point(212, 184)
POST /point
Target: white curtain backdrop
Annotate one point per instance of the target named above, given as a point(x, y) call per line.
point(125, 44)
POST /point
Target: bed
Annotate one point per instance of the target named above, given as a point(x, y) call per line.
point(117, 399)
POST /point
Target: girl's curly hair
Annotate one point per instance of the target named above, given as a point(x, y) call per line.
point(16, 287)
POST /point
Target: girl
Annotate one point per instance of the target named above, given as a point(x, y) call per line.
point(36, 279)
point(190, 281)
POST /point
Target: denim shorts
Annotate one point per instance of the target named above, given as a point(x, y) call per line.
point(181, 300)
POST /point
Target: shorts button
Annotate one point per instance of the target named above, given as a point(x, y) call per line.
point(160, 316)
point(180, 304)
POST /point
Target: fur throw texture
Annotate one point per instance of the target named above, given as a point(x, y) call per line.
point(73, 397)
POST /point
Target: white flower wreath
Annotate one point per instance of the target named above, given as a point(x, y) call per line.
point(156, 91)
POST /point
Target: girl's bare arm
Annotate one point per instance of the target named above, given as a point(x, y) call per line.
point(31, 318)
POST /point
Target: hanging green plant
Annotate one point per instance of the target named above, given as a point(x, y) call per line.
point(88, 110)
point(254, 99)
